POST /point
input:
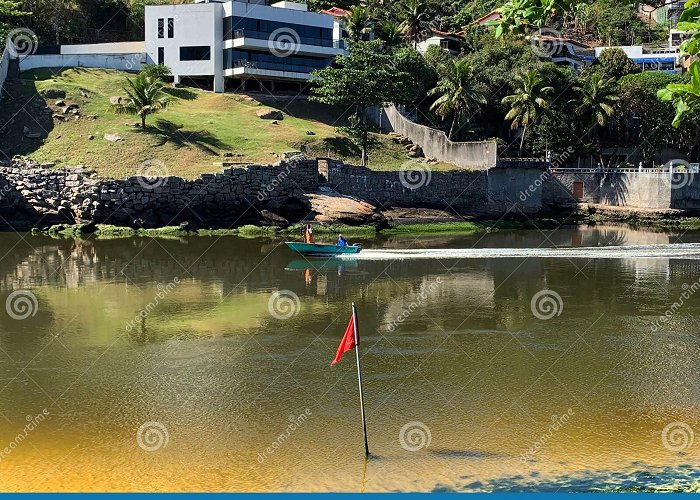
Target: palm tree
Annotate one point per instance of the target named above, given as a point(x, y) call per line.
point(458, 91)
point(529, 98)
point(358, 22)
point(145, 97)
point(390, 33)
point(597, 99)
point(416, 20)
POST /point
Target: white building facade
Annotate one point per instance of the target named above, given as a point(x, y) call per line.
point(249, 44)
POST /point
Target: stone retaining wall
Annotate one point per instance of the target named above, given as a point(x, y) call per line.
point(36, 195)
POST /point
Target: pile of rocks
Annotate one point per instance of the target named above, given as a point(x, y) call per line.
point(413, 150)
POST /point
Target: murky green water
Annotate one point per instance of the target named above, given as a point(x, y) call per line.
point(466, 387)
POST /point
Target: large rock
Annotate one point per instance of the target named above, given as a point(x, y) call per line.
point(270, 114)
point(331, 207)
point(113, 138)
point(53, 94)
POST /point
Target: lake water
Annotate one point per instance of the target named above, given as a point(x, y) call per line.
point(203, 364)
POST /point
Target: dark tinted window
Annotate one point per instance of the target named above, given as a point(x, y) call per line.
point(171, 27)
point(161, 28)
point(202, 53)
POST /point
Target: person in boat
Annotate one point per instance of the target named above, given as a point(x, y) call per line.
point(308, 234)
point(342, 242)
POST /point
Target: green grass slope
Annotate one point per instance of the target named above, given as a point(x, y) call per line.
point(190, 136)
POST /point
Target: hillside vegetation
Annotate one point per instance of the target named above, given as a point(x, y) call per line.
point(189, 137)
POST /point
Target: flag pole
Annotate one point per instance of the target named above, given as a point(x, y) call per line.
point(359, 376)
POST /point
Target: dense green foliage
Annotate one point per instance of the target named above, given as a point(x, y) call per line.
point(496, 87)
point(367, 76)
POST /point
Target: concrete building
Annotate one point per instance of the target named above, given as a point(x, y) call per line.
point(560, 50)
point(666, 59)
point(242, 44)
point(450, 42)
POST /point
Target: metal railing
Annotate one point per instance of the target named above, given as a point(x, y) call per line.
point(654, 171)
point(297, 40)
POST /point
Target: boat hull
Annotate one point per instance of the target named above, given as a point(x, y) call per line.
point(316, 249)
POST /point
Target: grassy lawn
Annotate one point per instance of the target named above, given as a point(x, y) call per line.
point(191, 135)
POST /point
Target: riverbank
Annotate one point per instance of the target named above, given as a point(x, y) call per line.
point(415, 227)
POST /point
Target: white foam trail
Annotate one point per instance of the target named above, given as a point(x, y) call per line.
point(676, 251)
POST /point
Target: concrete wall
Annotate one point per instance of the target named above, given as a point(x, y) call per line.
point(124, 62)
point(194, 25)
point(495, 191)
point(4, 67)
point(558, 189)
point(435, 144)
point(105, 48)
point(647, 190)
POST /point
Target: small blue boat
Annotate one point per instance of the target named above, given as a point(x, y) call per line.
point(322, 250)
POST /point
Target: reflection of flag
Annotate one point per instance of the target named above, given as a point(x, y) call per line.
point(348, 342)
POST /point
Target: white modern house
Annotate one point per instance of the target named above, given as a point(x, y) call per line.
point(666, 59)
point(242, 44)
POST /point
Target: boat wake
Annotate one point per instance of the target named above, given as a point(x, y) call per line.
point(671, 251)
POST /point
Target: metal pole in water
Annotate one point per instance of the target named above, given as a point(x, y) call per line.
point(359, 375)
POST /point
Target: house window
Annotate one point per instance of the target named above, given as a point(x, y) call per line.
point(161, 55)
point(171, 27)
point(161, 28)
point(202, 53)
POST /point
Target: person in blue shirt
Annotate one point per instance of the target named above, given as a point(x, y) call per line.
point(342, 242)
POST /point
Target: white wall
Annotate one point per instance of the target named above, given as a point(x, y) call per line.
point(198, 24)
point(105, 48)
point(124, 62)
point(292, 16)
point(4, 66)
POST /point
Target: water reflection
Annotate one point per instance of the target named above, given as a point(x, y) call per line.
point(450, 343)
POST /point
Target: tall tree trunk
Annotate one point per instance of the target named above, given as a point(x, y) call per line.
point(365, 136)
point(600, 147)
point(452, 127)
point(522, 140)
point(143, 121)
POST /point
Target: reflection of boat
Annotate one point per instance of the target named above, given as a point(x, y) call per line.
point(320, 265)
point(316, 249)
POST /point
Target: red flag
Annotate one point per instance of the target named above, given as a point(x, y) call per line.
point(348, 342)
